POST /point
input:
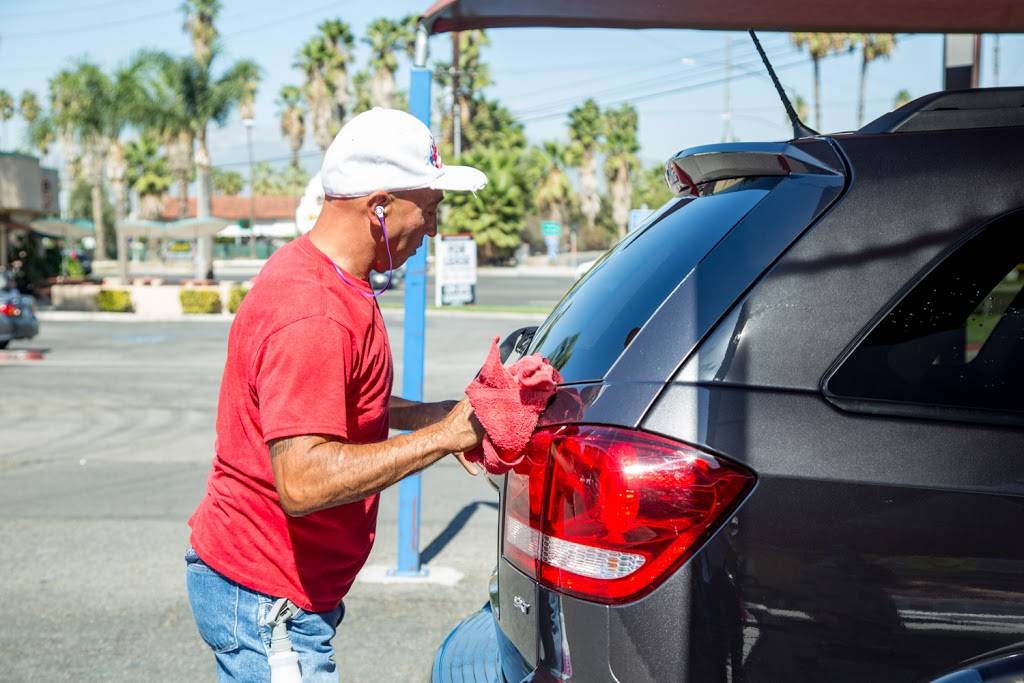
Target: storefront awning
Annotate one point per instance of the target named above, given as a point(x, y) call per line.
point(883, 16)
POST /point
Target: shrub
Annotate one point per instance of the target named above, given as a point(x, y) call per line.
point(199, 301)
point(235, 299)
point(114, 301)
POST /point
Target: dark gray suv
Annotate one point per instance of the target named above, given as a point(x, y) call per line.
point(789, 444)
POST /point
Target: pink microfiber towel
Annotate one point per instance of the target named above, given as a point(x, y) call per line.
point(508, 402)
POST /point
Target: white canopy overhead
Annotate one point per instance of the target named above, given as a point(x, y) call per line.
point(188, 229)
point(63, 229)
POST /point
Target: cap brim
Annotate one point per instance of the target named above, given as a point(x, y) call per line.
point(459, 179)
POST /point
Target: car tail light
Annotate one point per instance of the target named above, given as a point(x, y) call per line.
point(10, 310)
point(607, 514)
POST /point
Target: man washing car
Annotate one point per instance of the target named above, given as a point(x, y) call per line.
point(305, 407)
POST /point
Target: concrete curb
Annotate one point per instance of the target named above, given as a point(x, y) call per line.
point(389, 313)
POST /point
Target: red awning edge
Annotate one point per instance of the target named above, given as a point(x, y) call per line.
point(876, 16)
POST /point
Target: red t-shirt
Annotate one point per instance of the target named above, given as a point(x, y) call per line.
point(307, 354)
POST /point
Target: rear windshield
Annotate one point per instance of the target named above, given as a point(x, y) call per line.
point(604, 310)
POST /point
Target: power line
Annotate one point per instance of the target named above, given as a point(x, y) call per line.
point(278, 22)
point(531, 113)
point(661, 64)
point(660, 93)
point(92, 27)
point(50, 12)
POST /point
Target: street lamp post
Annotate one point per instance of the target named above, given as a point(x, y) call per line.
point(252, 191)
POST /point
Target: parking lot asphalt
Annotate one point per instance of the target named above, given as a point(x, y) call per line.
point(105, 448)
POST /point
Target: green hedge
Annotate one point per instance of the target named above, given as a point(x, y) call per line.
point(235, 299)
point(199, 301)
point(114, 301)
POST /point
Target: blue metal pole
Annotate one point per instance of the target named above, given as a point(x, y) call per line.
point(412, 358)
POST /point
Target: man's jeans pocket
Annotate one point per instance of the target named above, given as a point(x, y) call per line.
point(214, 600)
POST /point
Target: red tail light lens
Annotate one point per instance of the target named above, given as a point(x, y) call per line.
point(607, 514)
point(10, 310)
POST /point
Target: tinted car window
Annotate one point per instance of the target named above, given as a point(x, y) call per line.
point(957, 339)
point(601, 314)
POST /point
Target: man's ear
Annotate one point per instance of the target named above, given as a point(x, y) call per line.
point(377, 199)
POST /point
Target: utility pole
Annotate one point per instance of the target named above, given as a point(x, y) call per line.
point(727, 133)
point(456, 107)
point(252, 189)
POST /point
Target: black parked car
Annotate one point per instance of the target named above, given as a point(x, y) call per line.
point(789, 445)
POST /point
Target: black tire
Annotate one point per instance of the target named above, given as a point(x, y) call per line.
point(4, 343)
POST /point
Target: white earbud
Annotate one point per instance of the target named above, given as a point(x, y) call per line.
point(379, 210)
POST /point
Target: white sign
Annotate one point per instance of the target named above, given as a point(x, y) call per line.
point(455, 266)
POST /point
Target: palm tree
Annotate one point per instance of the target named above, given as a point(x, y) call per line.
point(200, 24)
point(42, 134)
point(6, 113)
point(553, 195)
point(620, 147)
point(385, 38)
point(293, 120)
point(473, 75)
point(186, 97)
point(902, 98)
point(873, 46)
point(64, 103)
point(148, 174)
point(315, 59)
point(819, 46)
point(585, 132)
point(229, 183)
point(339, 41)
point(250, 75)
point(361, 92)
point(81, 100)
point(28, 105)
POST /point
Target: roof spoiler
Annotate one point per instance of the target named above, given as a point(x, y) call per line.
point(691, 168)
point(951, 109)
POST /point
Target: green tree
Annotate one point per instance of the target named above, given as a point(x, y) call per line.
point(553, 196)
point(872, 46)
point(228, 183)
point(386, 37)
point(148, 174)
point(902, 97)
point(270, 181)
point(586, 130)
point(29, 107)
point(495, 214)
point(249, 76)
point(6, 113)
point(650, 188)
point(361, 92)
point(82, 98)
point(315, 61)
point(819, 46)
point(473, 75)
point(338, 40)
point(200, 25)
point(493, 126)
point(293, 119)
point(620, 147)
point(42, 134)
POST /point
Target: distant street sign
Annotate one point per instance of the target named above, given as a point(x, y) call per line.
point(455, 277)
point(551, 228)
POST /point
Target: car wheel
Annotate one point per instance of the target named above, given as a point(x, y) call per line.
point(4, 343)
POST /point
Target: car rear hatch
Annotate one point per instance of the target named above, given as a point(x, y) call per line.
point(617, 337)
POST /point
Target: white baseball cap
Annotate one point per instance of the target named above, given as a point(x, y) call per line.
point(390, 150)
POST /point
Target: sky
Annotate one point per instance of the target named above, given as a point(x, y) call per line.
point(675, 78)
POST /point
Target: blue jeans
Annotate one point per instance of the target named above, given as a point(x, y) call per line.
point(232, 621)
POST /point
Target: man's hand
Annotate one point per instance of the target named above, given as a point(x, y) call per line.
point(464, 430)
